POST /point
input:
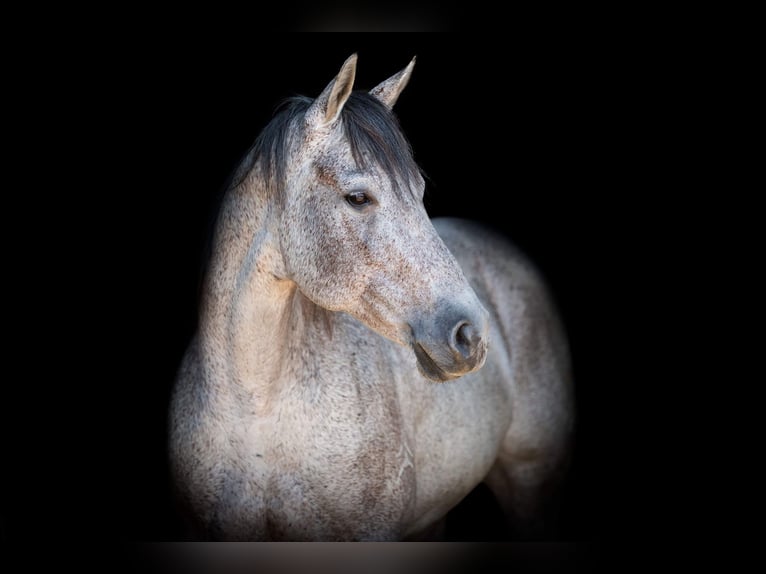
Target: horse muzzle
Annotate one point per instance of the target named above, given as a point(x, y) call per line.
point(453, 346)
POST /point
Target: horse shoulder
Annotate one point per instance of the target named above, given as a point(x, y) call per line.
point(533, 335)
point(194, 446)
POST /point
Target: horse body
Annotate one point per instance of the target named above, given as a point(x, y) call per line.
point(305, 407)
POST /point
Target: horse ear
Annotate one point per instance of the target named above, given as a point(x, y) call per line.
point(326, 108)
point(388, 91)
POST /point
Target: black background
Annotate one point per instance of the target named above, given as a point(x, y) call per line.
point(536, 138)
point(520, 147)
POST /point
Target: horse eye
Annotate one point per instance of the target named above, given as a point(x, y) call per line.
point(358, 199)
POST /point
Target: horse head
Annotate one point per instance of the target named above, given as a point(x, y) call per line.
point(354, 234)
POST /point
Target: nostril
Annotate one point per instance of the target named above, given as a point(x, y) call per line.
point(464, 339)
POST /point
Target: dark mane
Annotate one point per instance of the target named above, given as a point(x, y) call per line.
point(374, 134)
point(371, 129)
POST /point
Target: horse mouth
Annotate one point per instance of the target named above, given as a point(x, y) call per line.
point(428, 367)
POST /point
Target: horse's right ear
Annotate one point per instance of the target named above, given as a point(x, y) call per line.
point(326, 108)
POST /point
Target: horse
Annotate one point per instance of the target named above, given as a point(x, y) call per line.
point(358, 368)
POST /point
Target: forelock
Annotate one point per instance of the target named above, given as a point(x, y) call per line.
point(371, 129)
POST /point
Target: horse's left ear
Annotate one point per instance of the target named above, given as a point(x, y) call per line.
point(388, 91)
point(326, 108)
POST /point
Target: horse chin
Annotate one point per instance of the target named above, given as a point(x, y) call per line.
point(428, 368)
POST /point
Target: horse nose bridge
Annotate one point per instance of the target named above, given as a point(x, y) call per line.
point(419, 240)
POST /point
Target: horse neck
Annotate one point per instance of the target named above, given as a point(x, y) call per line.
point(246, 304)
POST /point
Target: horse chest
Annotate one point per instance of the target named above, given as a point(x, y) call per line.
point(327, 464)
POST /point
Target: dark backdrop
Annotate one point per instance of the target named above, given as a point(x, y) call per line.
point(527, 137)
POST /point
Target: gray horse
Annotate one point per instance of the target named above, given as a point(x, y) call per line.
point(358, 368)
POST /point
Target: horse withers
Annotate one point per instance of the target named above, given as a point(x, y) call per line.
point(358, 368)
